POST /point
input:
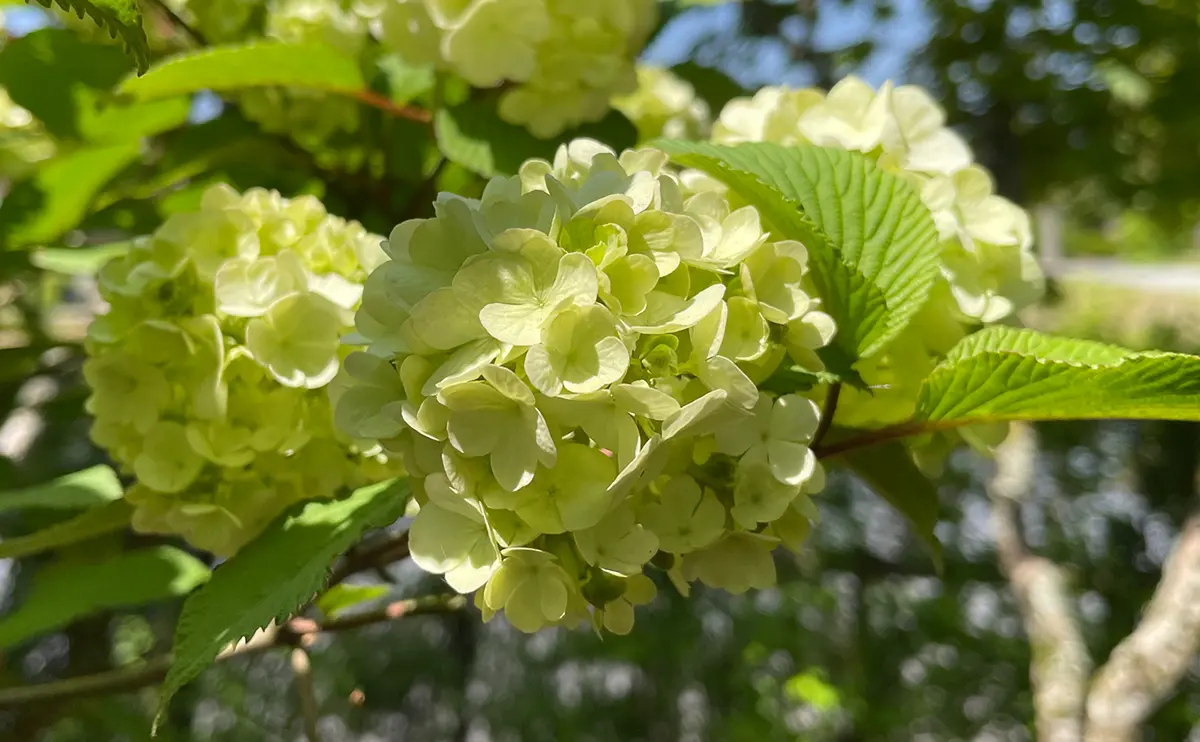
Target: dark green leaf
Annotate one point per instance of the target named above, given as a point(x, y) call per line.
point(273, 576)
point(712, 86)
point(81, 489)
point(889, 471)
point(97, 521)
point(66, 591)
point(120, 18)
point(473, 135)
point(59, 77)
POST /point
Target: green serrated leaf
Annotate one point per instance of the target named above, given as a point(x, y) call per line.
point(57, 197)
point(120, 18)
point(889, 471)
point(871, 242)
point(1002, 373)
point(273, 576)
point(81, 489)
point(473, 135)
point(257, 64)
point(66, 591)
point(97, 521)
point(340, 598)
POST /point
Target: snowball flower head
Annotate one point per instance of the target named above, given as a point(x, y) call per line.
point(206, 371)
point(664, 105)
point(565, 59)
point(568, 367)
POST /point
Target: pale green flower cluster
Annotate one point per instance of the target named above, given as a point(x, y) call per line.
point(569, 367)
point(563, 59)
point(664, 105)
point(205, 371)
point(988, 267)
point(310, 117)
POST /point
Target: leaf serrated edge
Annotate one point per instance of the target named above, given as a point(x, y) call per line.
point(133, 37)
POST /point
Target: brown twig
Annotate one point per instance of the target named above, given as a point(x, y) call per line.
point(375, 100)
point(392, 549)
point(309, 710)
point(874, 437)
point(828, 410)
point(183, 25)
point(154, 670)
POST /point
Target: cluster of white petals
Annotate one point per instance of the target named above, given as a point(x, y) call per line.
point(563, 59)
point(206, 370)
point(569, 369)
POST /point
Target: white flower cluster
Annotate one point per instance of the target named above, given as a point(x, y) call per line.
point(205, 370)
point(567, 58)
point(664, 105)
point(569, 367)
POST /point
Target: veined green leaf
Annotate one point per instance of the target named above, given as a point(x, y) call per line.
point(65, 591)
point(258, 64)
point(121, 18)
point(57, 197)
point(97, 521)
point(81, 489)
point(1002, 373)
point(273, 576)
point(889, 471)
point(872, 244)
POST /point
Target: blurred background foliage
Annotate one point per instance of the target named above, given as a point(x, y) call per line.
point(1088, 106)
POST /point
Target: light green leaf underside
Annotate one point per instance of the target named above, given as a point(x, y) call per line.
point(258, 64)
point(81, 489)
point(97, 521)
point(889, 471)
point(66, 591)
point(76, 261)
point(1003, 373)
point(42, 208)
point(340, 598)
point(872, 244)
point(120, 18)
point(273, 576)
